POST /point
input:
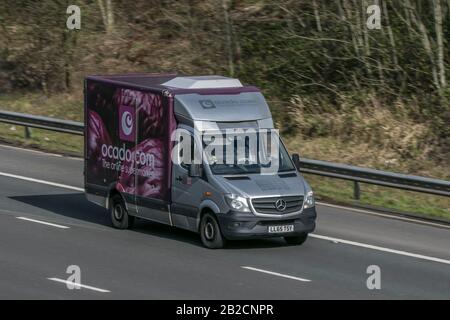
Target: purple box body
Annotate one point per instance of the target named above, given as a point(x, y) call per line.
point(128, 128)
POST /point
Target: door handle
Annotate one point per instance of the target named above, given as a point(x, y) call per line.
point(179, 178)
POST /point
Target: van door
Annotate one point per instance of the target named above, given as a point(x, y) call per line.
point(152, 158)
point(187, 194)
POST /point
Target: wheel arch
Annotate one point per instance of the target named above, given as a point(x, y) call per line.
point(112, 191)
point(206, 206)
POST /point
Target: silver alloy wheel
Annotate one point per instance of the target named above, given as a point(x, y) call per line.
point(209, 231)
point(118, 212)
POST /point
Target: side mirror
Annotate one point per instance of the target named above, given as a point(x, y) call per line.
point(195, 170)
point(296, 160)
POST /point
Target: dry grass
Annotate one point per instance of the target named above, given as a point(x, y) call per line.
point(341, 191)
point(370, 136)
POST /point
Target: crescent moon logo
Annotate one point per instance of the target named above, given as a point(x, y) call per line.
point(207, 104)
point(127, 123)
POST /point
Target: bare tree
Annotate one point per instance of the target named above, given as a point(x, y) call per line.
point(417, 21)
point(228, 36)
point(317, 16)
point(390, 35)
point(106, 10)
point(439, 42)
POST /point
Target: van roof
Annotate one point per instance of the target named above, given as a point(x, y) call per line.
point(176, 84)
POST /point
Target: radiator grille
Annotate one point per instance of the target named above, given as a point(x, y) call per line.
point(269, 205)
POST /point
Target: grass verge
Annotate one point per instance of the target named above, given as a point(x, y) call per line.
point(54, 142)
point(341, 191)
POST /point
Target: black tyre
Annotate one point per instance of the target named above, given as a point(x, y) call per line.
point(210, 233)
point(120, 218)
point(296, 240)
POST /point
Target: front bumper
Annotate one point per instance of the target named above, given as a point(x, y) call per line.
point(238, 225)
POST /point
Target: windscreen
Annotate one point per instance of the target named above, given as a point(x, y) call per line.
point(237, 151)
point(241, 155)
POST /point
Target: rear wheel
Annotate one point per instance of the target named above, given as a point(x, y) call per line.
point(296, 240)
point(210, 233)
point(120, 218)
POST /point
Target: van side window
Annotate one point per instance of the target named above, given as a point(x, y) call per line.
point(185, 162)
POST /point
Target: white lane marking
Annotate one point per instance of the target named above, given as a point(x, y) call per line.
point(79, 285)
point(276, 274)
point(43, 222)
point(384, 249)
point(385, 215)
point(49, 183)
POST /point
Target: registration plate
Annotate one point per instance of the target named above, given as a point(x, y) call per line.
point(281, 229)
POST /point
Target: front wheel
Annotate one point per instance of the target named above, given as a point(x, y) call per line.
point(120, 218)
point(296, 240)
point(210, 233)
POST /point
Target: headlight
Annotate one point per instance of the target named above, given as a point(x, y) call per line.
point(309, 200)
point(237, 203)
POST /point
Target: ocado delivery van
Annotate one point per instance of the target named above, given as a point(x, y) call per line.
point(134, 168)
